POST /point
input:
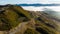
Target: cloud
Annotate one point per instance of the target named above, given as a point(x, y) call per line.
point(31, 8)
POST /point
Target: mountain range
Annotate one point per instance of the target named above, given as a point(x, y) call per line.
point(38, 4)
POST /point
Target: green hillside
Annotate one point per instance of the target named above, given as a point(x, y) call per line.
point(37, 22)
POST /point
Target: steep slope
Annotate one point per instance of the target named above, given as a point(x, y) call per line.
point(12, 15)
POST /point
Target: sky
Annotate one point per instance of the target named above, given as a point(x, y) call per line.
point(2, 2)
point(57, 8)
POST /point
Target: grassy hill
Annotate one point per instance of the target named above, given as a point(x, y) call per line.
point(37, 22)
point(10, 15)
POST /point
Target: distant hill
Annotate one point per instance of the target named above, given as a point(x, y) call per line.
point(52, 13)
point(38, 4)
